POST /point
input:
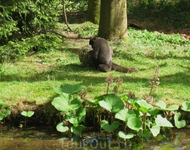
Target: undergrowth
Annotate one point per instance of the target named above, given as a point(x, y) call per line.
point(115, 113)
point(167, 14)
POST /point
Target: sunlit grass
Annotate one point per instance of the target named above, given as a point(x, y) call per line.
point(34, 77)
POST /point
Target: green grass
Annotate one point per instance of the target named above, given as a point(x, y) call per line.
point(33, 78)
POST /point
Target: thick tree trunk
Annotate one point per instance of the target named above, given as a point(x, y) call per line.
point(113, 19)
point(93, 12)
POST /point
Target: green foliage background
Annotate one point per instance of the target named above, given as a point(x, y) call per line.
point(27, 26)
point(168, 12)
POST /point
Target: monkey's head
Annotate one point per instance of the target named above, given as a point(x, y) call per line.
point(92, 40)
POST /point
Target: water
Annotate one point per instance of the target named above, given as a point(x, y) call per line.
point(48, 139)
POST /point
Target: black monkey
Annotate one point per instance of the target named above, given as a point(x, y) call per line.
point(102, 56)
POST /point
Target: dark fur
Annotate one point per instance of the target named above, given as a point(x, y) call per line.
point(102, 56)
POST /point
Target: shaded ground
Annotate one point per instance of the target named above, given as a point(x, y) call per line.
point(170, 17)
point(160, 29)
point(154, 25)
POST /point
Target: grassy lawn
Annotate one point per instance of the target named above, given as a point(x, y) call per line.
point(34, 77)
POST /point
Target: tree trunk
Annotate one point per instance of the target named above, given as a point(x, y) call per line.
point(113, 19)
point(93, 12)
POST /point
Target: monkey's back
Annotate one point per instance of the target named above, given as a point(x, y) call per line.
point(104, 51)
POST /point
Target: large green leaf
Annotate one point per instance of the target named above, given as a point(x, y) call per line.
point(122, 135)
point(2, 102)
point(153, 111)
point(69, 89)
point(145, 133)
point(61, 103)
point(107, 127)
point(58, 90)
point(172, 107)
point(77, 117)
point(112, 103)
point(155, 130)
point(4, 113)
point(75, 103)
point(73, 120)
point(144, 106)
point(2, 116)
point(134, 123)
point(81, 113)
point(179, 124)
point(148, 122)
point(162, 122)
point(161, 104)
point(91, 102)
point(125, 114)
point(61, 128)
point(77, 129)
point(186, 106)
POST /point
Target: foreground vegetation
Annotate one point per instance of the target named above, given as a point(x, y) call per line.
point(124, 115)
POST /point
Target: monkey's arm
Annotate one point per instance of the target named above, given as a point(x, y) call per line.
point(95, 51)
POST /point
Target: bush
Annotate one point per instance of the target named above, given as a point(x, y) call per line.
point(26, 26)
point(174, 12)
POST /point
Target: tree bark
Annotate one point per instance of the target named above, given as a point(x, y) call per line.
point(93, 12)
point(113, 19)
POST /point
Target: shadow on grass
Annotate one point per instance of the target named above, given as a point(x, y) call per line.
point(70, 72)
point(123, 55)
point(79, 73)
point(178, 78)
point(170, 56)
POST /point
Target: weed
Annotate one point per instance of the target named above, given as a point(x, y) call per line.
point(118, 85)
point(155, 81)
point(26, 114)
point(109, 81)
point(4, 111)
